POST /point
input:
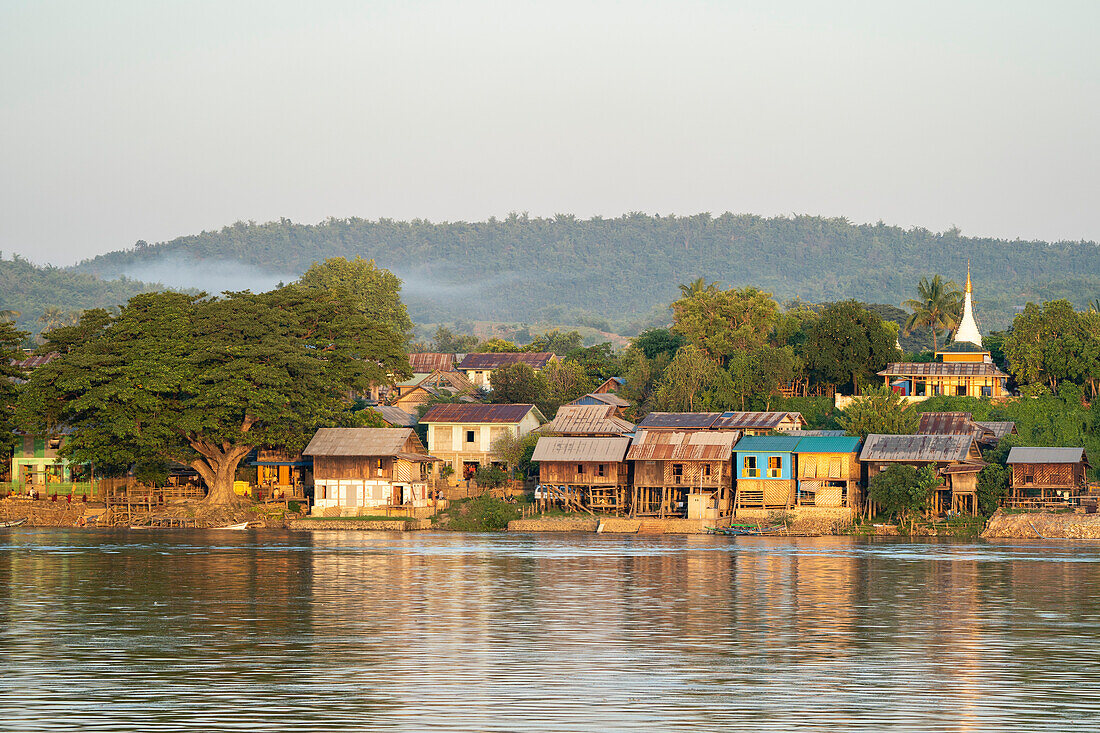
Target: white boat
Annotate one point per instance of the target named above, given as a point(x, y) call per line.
point(239, 525)
point(15, 523)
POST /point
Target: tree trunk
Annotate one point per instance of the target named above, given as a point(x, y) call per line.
point(218, 468)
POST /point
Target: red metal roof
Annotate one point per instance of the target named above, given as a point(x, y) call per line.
point(34, 361)
point(478, 413)
point(536, 360)
point(427, 362)
point(667, 445)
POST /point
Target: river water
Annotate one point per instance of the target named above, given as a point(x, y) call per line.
point(200, 630)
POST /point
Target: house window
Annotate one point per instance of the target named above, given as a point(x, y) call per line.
point(706, 470)
point(748, 467)
point(775, 466)
point(580, 468)
point(469, 436)
point(53, 443)
point(961, 391)
point(834, 467)
point(601, 470)
point(677, 472)
point(809, 467)
point(1029, 478)
point(987, 391)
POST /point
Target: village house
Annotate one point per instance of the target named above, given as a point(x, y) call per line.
point(462, 435)
point(603, 398)
point(357, 470)
point(765, 471)
point(585, 473)
point(963, 423)
point(411, 394)
point(395, 417)
point(748, 423)
point(479, 368)
point(591, 420)
point(36, 465)
point(282, 474)
point(609, 385)
point(1043, 476)
point(828, 471)
point(426, 362)
point(678, 473)
point(956, 459)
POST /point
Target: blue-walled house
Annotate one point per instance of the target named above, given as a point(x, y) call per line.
point(765, 471)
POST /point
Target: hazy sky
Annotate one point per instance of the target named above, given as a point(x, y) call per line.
point(122, 121)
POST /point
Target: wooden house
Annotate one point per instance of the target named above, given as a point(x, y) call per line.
point(36, 465)
point(678, 473)
point(462, 435)
point(828, 471)
point(1046, 475)
point(609, 385)
point(586, 473)
point(357, 470)
point(279, 472)
point(592, 420)
point(765, 471)
point(963, 369)
point(425, 362)
point(956, 458)
point(409, 395)
point(395, 417)
point(747, 423)
point(603, 398)
point(479, 368)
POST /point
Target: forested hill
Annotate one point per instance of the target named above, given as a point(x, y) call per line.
point(565, 268)
point(34, 290)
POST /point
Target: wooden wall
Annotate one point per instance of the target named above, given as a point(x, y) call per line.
point(564, 473)
point(351, 467)
point(662, 473)
point(1048, 475)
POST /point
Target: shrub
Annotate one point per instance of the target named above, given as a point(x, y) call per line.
point(492, 477)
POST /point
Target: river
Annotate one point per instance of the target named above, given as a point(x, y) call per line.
point(206, 630)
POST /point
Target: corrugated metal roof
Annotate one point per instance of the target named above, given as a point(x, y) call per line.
point(916, 447)
point(396, 416)
point(679, 420)
point(999, 429)
point(426, 362)
point(817, 433)
point(612, 450)
point(479, 413)
point(358, 442)
point(755, 420)
point(768, 443)
point(952, 423)
point(34, 361)
point(587, 420)
point(938, 369)
point(1046, 455)
point(828, 444)
point(537, 360)
point(667, 445)
point(605, 397)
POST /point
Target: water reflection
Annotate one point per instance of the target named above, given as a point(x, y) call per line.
point(327, 631)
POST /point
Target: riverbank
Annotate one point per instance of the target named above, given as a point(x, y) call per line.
point(1042, 525)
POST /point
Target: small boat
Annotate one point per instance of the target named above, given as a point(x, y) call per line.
point(239, 525)
point(13, 523)
point(737, 530)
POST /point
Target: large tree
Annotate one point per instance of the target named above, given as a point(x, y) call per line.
point(685, 379)
point(721, 322)
point(518, 384)
point(203, 381)
point(937, 307)
point(375, 290)
point(848, 345)
point(880, 411)
point(10, 339)
point(1051, 344)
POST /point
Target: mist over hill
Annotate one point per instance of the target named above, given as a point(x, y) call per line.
point(622, 270)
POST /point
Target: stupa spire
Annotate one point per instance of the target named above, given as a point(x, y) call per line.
point(968, 327)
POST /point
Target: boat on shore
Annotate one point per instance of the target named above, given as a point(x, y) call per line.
point(237, 526)
point(738, 530)
point(13, 523)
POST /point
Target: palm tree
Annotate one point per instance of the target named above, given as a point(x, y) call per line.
point(938, 306)
point(698, 286)
point(53, 317)
point(9, 314)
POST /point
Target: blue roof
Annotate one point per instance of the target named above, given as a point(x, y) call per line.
point(831, 444)
point(767, 443)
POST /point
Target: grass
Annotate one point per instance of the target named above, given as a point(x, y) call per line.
point(480, 514)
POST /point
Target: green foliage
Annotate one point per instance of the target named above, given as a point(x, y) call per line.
point(446, 341)
point(723, 322)
point(10, 339)
point(683, 382)
point(599, 362)
point(482, 514)
point(491, 477)
point(848, 345)
point(879, 411)
point(518, 384)
point(203, 381)
point(556, 342)
point(993, 481)
point(657, 341)
point(376, 291)
point(819, 412)
point(902, 491)
point(1052, 344)
point(517, 452)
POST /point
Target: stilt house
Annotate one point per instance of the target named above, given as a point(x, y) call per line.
point(1046, 476)
point(585, 473)
point(828, 471)
point(671, 466)
point(955, 457)
point(765, 471)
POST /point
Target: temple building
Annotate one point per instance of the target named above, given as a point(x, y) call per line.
point(964, 366)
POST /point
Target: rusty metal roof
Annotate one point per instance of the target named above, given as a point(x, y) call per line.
point(999, 429)
point(359, 442)
point(479, 413)
point(611, 450)
point(395, 416)
point(679, 420)
point(587, 420)
point(755, 420)
point(668, 445)
point(916, 447)
point(34, 361)
point(1046, 455)
point(426, 362)
point(953, 423)
point(938, 369)
point(536, 360)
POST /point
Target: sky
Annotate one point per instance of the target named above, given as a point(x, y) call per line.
point(148, 120)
